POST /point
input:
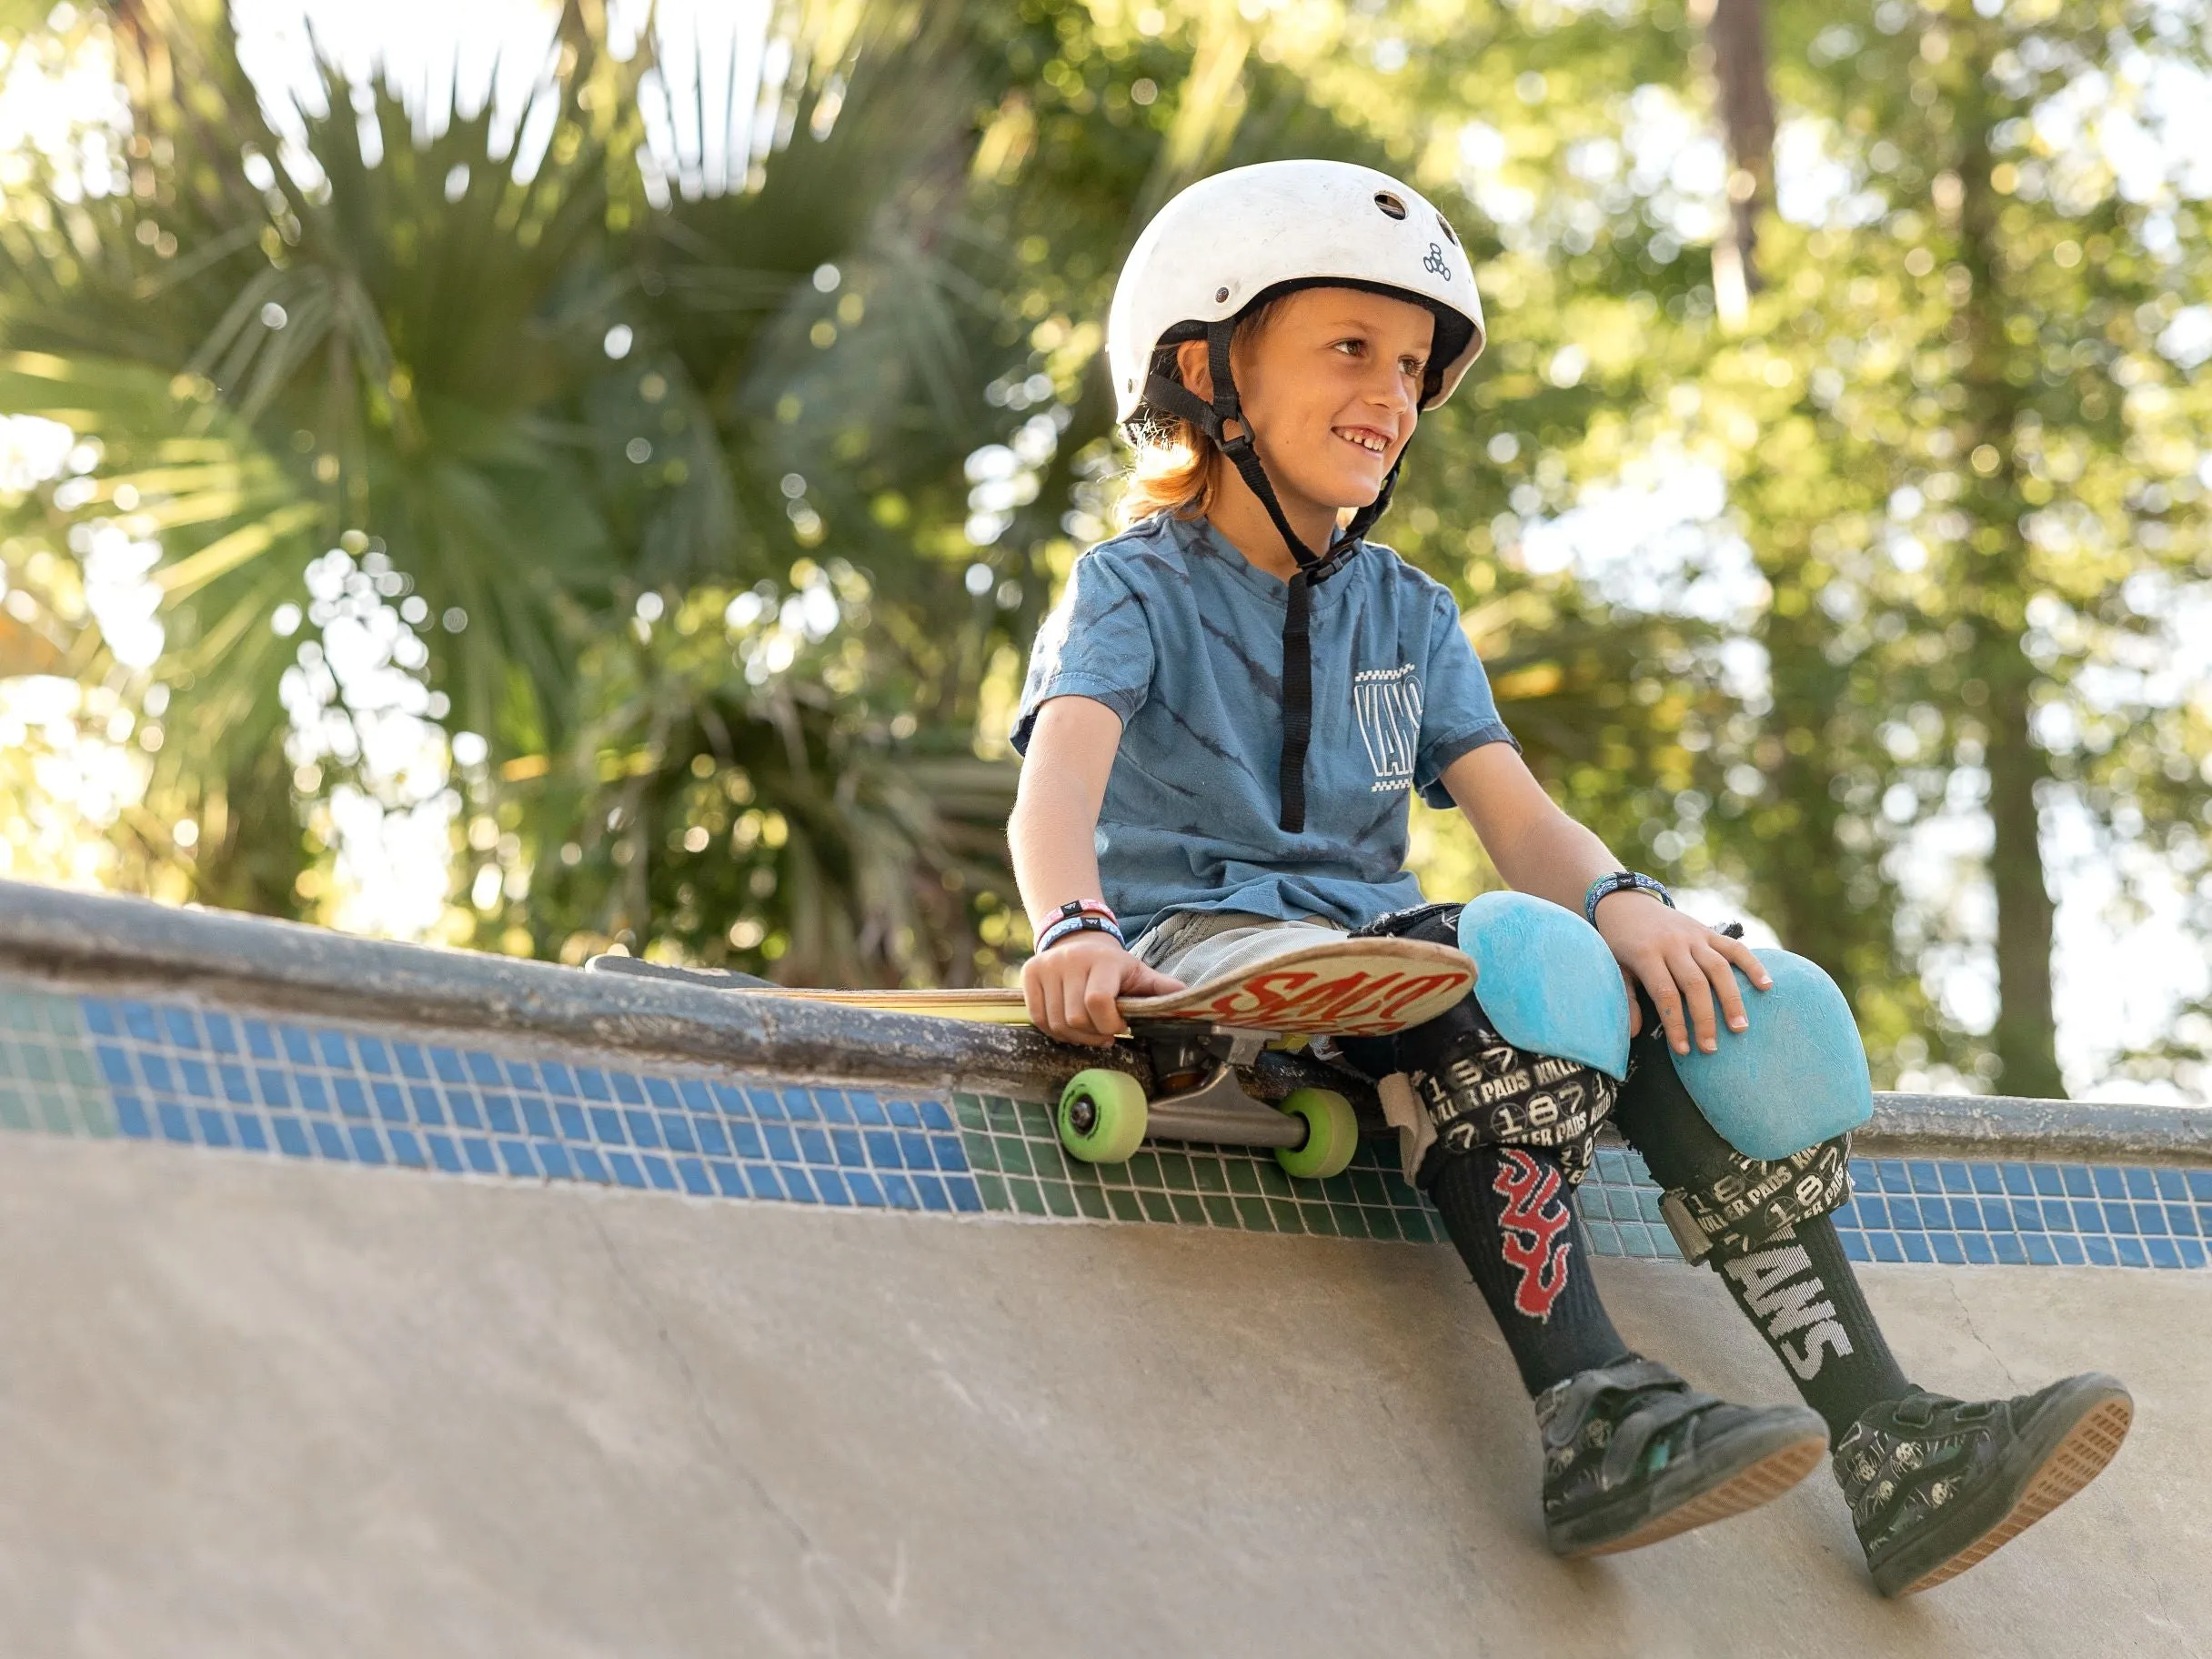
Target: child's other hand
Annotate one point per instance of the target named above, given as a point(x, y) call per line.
point(1678, 961)
point(1070, 988)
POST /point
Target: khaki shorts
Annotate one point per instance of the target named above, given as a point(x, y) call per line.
point(1195, 946)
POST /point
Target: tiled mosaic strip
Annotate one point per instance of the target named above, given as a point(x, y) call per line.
point(99, 1067)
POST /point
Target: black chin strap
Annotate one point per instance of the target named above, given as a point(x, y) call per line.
point(1213, 419)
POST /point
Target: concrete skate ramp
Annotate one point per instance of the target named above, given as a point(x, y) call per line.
point(271, 1404)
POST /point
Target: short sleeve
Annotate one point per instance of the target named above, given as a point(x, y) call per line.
point(1097, 643)
point(1458, 713)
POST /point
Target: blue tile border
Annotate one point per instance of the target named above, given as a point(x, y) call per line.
point(346, 1093)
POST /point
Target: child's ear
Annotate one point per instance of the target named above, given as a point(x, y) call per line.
point(1197, 369)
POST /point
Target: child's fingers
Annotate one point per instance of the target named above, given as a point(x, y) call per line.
point(1139, 980)
point(1716, 970)
point(1745, 958)
point(1098, 989)
point(1660, 985)
point(1073, 1025)
point(1697, 992)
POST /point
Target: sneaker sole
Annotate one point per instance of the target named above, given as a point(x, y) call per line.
point(2075, 1454)
point(1761, 1482)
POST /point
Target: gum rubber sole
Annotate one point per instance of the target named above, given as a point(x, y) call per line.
point(2078, 1457)
point(1761, 1483)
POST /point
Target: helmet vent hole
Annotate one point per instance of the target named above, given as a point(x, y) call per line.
point(1390, 204)
point(1444, 225)
point(1220, 296)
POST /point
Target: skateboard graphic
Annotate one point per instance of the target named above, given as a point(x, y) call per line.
point(1195, 1039)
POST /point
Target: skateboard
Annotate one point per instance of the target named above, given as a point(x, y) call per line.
point(1195, 1039)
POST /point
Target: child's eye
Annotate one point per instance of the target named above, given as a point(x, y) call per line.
point(1353, 348)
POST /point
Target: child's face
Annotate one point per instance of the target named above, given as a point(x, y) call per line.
point(1332, 380)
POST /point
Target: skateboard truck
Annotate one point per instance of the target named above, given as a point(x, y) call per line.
point(1104, 1115)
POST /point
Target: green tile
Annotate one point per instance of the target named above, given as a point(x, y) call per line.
point(37, 1062)
point(1320, 1219)
point(1156, 1206)
point(1027, 1198)
point(1272, 1181)
point(1369, 1186)
point(967, 1112)
point(1415, 1226)
point(1208, 1172)
point(1060, 1197)
point(1287, 1216)
point(1243, 1175)
point(1125, 1205)
point(99, 1117)
point(1220, 1210)
point(1014, 1157)
point(1093, 1202)
point(993, 1191)
point(1337, 1190)
point(20, 1013)
point(982, 1152)
point(1175, 1172)
point(54, 1111)
point(14, 1114)
point(1036, 1121)
point(1254, 1212)
point(1188, 1209)
point(1003, 1116)
point(77, 1065)
point(1382, 1224)
point(1144, 1169)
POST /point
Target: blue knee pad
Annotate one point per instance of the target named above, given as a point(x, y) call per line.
point(1547, 979)
point(1795, 1078)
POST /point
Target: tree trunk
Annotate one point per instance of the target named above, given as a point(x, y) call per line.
point(1995, 599)
point(1736, 34)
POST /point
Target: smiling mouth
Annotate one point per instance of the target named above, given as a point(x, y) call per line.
point(1371, 442)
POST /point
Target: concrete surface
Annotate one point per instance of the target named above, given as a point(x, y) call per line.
point(258, 1409)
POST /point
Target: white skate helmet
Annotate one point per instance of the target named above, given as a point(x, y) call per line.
point(1246, 234)
point(1234, 241)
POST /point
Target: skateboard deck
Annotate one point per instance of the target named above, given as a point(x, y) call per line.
point(1353, 987)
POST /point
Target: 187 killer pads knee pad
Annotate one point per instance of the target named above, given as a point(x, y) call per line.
point(1456, 1084)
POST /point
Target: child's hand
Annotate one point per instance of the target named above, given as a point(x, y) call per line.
point(1072, 987)
point(1677, 960)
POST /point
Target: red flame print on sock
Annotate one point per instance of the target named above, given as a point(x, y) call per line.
point(1536, 1216)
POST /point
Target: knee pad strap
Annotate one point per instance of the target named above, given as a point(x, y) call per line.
point(1756, 1200)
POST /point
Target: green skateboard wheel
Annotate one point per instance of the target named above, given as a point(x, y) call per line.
point(1332, 1134)
point(1101, 1114)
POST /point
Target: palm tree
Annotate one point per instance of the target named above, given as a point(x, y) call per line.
point(512, 381)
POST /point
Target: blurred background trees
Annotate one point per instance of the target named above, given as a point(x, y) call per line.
point(589, 481)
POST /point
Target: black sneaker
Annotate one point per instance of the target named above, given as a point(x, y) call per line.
point(1632, 1453)
point(1935, 1484)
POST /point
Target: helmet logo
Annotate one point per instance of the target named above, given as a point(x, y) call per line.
point(1435, 264)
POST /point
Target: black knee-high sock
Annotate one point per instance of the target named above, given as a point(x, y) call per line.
point(1512, 1214)
point(1799, 1290)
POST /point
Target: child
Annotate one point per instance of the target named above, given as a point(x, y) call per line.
point(1221, 723)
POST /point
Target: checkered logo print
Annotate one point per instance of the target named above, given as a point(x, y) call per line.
point(1387, 704)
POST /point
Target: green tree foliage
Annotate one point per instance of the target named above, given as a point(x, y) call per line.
point(1817, 493)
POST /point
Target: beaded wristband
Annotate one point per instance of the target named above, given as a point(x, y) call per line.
point(1623, 882)
point(1068, 926)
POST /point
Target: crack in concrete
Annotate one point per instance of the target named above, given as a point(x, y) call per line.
point(816, 1564)
point(1959, 1303)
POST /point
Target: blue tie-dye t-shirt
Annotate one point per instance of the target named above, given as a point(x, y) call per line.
point(1175, 631)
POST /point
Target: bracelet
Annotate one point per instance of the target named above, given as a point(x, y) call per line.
point(1622, 882)
point(1086, 907)
point(1068, 926)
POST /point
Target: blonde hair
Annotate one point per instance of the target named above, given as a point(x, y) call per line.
point(1172, 468)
